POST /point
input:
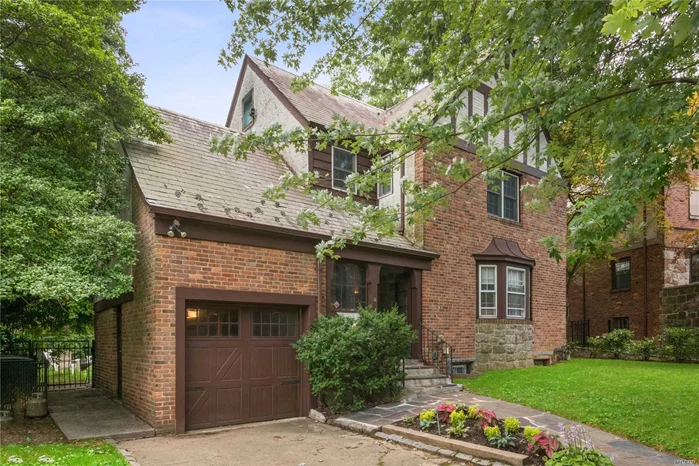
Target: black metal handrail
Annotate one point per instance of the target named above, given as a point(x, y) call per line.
point(436, 351)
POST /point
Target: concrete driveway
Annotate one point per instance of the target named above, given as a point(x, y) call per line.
point(292, 442)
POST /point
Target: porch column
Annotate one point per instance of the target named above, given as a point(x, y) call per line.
point(373, 271)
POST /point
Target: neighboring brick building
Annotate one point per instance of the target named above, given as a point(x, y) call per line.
point(629, 291)
point(226, 281)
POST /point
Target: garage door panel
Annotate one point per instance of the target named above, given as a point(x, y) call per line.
point(229, 405)
point(230, 364)
point(288, 397)
point(262, 362)
point(199, 408)
point(198, 365)
point(261, 401)
point(288, 365)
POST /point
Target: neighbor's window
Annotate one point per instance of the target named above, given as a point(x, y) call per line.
point(618, 323)
point(516, 292)
point(621, 274)
point(248, 118)
point(488, 294)
point(694, 203)
point(503, 197)
point(694, 268)
point(386, 188)
point(348, 289)
point(344, 163)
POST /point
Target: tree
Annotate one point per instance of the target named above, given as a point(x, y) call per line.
point(68, 98)
point(611, 84)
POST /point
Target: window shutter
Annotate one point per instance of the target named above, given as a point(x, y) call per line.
point(694, 203)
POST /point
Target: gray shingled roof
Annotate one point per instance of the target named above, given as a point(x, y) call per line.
point(186, 176)
point(317, 104)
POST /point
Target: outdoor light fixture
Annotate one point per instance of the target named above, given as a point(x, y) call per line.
point(175, 228)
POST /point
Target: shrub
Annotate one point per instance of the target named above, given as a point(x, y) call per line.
point(511, 424)
point(681, 344)
point(444, 411)
point(530, 432)
point(427, 419)
point(644, 349)
point(354, 362)
point(473, 412)
point(617, 342)
point(491, 432)
point(576, 457)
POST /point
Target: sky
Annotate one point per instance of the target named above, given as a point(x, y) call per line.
point(176, 45)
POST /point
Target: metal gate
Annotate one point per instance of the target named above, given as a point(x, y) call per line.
point(70, 363)
point(579, 331)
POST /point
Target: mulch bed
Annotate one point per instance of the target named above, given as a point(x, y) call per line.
point(475, 435)
point(32, 432)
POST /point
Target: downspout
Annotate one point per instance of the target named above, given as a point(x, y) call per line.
point(584, 306)
point(319, 288)
point(401, 223)
point(645, 271)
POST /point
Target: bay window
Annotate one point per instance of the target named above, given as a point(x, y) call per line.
point(488, 294)
point(516, 293)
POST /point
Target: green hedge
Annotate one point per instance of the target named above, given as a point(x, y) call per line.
point(353, 362)
point(677, 344)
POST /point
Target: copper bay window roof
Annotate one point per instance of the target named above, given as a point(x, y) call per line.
point(501, 249)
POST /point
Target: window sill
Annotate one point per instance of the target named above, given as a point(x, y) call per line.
point(507, 221)
point(622, 290)
point(482, 320)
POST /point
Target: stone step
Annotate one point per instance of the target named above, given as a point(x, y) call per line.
point(438, 390)
point(425, 381)
point(421, 371)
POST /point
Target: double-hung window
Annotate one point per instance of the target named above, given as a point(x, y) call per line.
point(344, 163)
point(516, 292)
point(503, 197)
point(621, 274)
point(385, 189)
point(487, 291)
point(694, 203)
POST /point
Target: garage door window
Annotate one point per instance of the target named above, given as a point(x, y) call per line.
point(212, 322)
point(274, 323)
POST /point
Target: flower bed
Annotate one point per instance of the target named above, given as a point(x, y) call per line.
point(473, 425)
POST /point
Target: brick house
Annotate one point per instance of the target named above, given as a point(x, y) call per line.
point(226, 281)
point(650, 284)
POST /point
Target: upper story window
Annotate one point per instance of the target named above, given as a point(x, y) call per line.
point(385, 189)
point(248, 111)
point(621, 274)
point(694, 203)
point(487, 291)
point(344, 163)
point(694, 268)
point(516, 292)
point(348, 289)
point(503, 197)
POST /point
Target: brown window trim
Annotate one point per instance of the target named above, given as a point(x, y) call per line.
point(501, 289)
point(252, 106)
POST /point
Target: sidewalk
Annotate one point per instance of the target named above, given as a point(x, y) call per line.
point(623, 452)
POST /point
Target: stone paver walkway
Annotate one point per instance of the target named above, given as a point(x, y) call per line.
point(623, 452)
point(84, 413)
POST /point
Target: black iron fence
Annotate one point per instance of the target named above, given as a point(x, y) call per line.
point(69, 363)
point(21, 376)
point(579, 331)
point(435, 350)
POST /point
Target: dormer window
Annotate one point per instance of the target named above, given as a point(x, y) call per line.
point(344, 163)
point(248, 111)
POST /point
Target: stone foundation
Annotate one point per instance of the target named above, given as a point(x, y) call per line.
point(503, 345)
point(680, 306)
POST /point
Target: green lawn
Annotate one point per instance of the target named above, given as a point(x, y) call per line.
point(89, 454)
point(654, 403)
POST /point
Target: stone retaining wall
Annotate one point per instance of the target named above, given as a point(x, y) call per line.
point(680, 306)
point(503, 345)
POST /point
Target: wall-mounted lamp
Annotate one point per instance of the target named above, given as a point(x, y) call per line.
point(175, 228)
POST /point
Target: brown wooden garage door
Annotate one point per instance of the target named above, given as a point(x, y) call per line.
point(239, 364)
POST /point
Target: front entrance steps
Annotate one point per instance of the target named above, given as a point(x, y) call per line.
point(422, 379)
